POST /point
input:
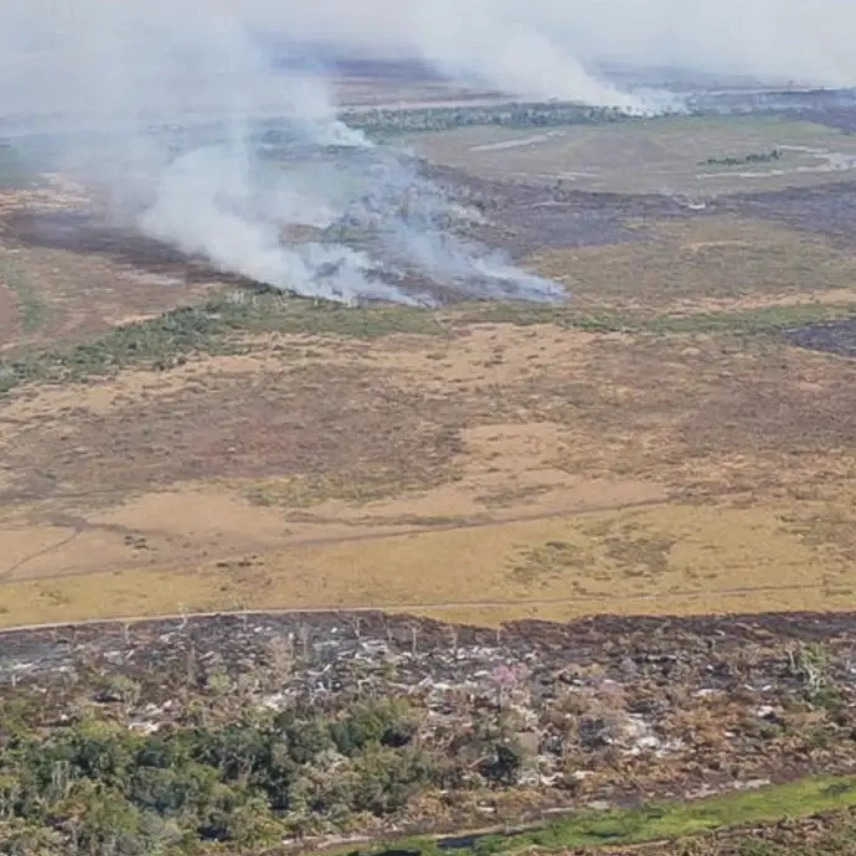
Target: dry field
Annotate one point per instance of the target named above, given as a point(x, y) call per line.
point(657, 447)
point(653, 156)
point(54, 289)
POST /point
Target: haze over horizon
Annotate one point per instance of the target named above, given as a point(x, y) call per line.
point(120, 67)
point(98, 53)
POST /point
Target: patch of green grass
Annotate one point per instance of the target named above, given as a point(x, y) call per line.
point(668, 821)
point(747, 321)
point(209, 329)
point(762, 320)
point(216, 327)
point(527, 314)
point(34, 311)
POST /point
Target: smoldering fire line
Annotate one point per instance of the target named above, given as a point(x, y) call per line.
point(379, 230)
point(382, 231)
point(373, 228)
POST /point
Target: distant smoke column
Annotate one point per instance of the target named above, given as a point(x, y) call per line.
point(499, 45)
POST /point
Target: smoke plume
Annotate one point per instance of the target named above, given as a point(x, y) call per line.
point(119, 68)
point(325, 214)
point(64, 53)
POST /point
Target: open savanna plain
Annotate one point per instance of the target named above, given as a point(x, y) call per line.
point(175, 441)
point(703, 156)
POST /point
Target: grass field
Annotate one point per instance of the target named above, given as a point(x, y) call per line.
point(674, 825)
point(672, 560)
point(656, 156)
point(173, 444)
point(704, 266)
point(471, 468)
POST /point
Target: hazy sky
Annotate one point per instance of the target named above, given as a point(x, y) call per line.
point(134, 61)
point(114, 52)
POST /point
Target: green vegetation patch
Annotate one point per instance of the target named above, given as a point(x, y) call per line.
point(751, 158)
point(226, 778)
point(768, 319)
point(217, 327)
point(667, 821)
point(95, 786)
point(212, 328)
point(384, 121)
point(33, 310)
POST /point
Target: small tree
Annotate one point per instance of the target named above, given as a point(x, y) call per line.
point(503, 769)
point(252, 825)
point(507, 679)
point(109, 825)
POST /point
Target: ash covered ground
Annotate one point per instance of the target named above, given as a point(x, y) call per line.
point(607, 709)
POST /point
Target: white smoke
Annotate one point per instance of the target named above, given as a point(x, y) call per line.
point(220, 198)
point(92, 51)
point(225, 203)
point(555, 46)
point(204, 207)
point(121, 66)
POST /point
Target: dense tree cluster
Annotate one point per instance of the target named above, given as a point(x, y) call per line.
point(95, 786)
point(751, 158)
point(534, 115)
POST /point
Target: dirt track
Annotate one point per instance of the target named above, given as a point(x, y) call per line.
point(400, 609)
point(366, 537)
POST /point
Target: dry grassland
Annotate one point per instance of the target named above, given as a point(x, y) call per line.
point(489, 471)
point(711, 264)
point(660, 156)
point(655, 447)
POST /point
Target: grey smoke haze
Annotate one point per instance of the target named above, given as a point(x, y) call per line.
point(121, 65)
point(116, 69)
point(95, 51)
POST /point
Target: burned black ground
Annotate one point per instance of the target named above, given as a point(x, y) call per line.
point(614, 709)
point(834, 337)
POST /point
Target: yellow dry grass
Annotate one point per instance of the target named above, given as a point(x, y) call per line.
point(499, 472)
point(672, 559)
point(563, 499)
point(713, 264)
